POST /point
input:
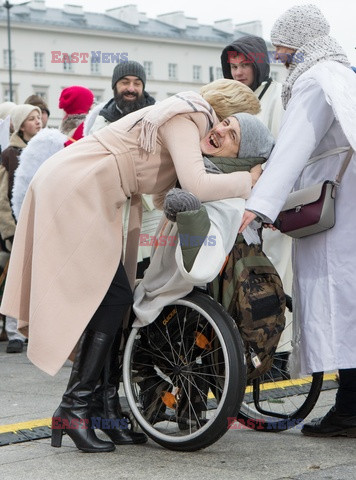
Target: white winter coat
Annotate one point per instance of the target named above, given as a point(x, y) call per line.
point(320, 116)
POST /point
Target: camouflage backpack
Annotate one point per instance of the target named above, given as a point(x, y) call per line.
point(250, 289)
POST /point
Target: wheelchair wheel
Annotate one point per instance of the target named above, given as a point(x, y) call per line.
point(275, 401)
point(185, 374)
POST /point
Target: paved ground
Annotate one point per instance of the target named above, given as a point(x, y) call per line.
point(27, 394)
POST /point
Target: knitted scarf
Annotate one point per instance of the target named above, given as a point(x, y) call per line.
point(319, 49)
point(229, 165)
point(185, 102)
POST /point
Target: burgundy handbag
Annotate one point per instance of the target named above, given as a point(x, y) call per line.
point(311, 210)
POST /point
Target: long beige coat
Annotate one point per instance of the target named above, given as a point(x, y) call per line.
point(68, 240)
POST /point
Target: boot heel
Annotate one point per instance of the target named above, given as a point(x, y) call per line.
point(56, 440)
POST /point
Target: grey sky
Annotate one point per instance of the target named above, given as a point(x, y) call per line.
point(340, 13)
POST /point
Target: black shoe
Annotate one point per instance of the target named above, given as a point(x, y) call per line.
point(73, 414)
point(77, 426)
point(125, 436)
point(14, 346)
point(106, 415)
point(334, 424)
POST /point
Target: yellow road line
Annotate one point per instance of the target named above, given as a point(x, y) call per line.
point(297, 382)
point(43, 422)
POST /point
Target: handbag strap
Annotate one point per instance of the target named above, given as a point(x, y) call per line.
point(328, 153)
point(344, 166)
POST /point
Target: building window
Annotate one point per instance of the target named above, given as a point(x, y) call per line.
point(6, 94)
point(196, 73)
point(172, 71)
point(67, 66)
point(148, 66)
point(39, 60)
point(219, 73)
point(6, 58)
point(41, 91)
point(95, 67)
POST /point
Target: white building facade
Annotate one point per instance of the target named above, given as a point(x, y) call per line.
point(55, 48)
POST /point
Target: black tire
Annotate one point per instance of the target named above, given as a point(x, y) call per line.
point(271, 415)
point(276, 401)
point(185, 374)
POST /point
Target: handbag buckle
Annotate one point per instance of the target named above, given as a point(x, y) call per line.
point(298, 208)
point(333, 191)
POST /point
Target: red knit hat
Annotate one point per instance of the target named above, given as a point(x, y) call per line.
point(76, 100)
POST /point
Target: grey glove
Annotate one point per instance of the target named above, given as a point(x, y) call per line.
point(178, 200)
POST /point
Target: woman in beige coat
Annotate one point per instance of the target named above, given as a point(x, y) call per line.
point(68, 272)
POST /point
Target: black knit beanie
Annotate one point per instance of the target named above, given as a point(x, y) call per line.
point(128, 68)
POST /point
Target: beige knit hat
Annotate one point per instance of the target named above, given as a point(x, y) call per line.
point(298, 26)
point(6, 108)
point(20, 113)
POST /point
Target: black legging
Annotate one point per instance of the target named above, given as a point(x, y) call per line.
point(111, 312)
point(346, 394)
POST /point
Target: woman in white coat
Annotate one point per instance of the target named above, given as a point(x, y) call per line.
point(320, 100)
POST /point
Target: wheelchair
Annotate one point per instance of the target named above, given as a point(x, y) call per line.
point(185, 382)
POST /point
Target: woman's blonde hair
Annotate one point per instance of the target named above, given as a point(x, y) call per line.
point(230, 96)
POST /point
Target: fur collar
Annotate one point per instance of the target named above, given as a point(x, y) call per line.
point(70, 123)
point(16, 141)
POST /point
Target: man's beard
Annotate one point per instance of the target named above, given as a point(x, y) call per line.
point(128, 106)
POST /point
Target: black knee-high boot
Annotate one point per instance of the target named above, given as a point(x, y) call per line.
point(73, 414)
point(106, 412)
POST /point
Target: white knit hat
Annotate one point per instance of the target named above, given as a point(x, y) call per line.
point(20, 113)
point(298, 26)
point(6, 108)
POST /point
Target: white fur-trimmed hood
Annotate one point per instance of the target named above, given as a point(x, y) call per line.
point(46, 143)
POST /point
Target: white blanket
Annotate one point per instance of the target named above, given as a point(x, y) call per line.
point(166, 279)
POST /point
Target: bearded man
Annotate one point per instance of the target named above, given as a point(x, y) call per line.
point(128, 84)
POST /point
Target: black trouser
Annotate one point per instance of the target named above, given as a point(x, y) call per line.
point(346, 394)
point(109, 316)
